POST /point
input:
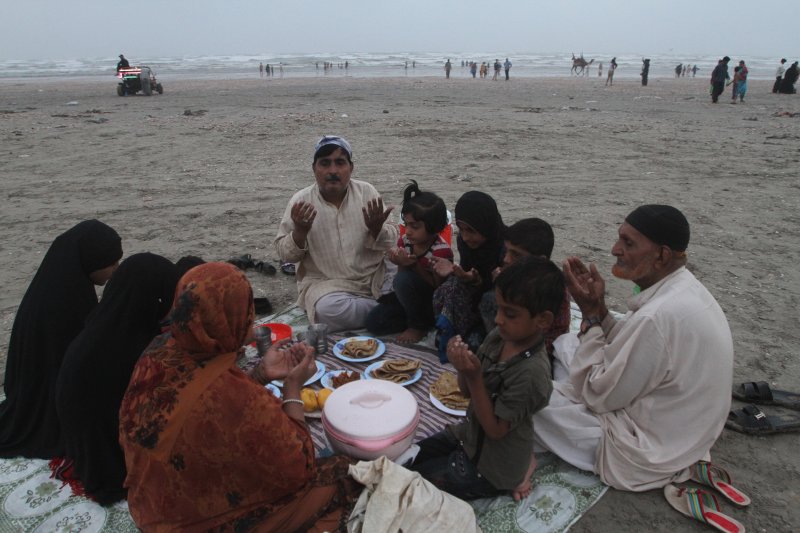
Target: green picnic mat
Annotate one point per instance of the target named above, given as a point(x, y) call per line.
point(31, 501)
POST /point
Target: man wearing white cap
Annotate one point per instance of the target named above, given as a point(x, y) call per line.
point(647, 395)
point(336, 231)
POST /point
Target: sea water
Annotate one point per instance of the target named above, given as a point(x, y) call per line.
point(371, 65)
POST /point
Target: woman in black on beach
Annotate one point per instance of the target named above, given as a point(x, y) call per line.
point(50, 316)
point(97, 368)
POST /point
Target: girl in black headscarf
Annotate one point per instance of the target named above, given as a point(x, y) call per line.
point(97, 368)
point(480, 249)
point(51, 314)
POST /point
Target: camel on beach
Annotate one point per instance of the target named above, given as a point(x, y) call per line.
point(579, 64)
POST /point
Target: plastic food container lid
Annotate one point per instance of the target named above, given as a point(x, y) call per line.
point(371, 409)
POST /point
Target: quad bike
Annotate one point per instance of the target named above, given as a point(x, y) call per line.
point(135, 79)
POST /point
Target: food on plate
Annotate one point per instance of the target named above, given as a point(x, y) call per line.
point(360, 348)
point(322, 397)
point(343, 377)
point(309, 397)
point(445, 389)
point(397, 370)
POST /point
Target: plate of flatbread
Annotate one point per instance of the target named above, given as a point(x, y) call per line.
point(359, 349)
point(401, 371)
point(446, 396)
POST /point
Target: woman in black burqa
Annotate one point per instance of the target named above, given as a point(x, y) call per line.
point(50, 316)
point(97, 368)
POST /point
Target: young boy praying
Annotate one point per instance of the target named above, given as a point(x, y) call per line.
point(507, 382)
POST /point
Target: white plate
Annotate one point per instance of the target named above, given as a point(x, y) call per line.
point(318, 374)
point(339, 346)
point(378, 364)
point(327, 379)
point(274, 390)
point(442, 407)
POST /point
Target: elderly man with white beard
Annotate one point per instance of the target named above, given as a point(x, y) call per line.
point(647, 395)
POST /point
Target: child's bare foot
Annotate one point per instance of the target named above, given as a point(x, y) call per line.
point(524, 489)
point(411, 335)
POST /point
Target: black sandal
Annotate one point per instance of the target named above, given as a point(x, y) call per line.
point(753, 421)
point(265, 268)
point(243, 262)
point(288, 268)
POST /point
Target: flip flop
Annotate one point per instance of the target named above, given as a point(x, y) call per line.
point(761, 393)
point(264, 268)
point(288, 268)
point(717, 477)
point(702, 506)
point(753, 421)
point(243, 262)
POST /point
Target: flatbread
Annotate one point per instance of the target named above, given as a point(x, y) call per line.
point(362, 348)
point(397, 370)
point(445, 389)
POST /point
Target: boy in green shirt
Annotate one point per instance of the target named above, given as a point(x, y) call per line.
point(507, 382)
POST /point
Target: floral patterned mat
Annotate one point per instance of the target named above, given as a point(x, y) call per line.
point(31, 501)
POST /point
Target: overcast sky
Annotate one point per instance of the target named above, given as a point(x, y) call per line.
point(49, 29)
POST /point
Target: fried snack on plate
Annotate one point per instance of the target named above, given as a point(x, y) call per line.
point(445, 389)
point(322, 397)
point(344, 377)
point(309, 397)
point(360, 348)
point(397, 370)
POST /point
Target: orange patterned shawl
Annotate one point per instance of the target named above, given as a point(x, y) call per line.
point(207, 447)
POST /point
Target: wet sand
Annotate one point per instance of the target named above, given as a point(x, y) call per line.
point(207, 169)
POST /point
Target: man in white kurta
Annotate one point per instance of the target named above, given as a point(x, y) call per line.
point(336, 232)
point(647, 395)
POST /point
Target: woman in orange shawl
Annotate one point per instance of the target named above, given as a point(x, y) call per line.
point(207, 447)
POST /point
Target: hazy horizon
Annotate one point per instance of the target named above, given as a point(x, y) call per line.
point(45, 29)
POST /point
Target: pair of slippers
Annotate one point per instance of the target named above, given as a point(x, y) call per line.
point(703, 505)
point(245, 262)
point(752, 420)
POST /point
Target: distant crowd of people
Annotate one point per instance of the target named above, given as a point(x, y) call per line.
point(482, 70)
point(720, 78)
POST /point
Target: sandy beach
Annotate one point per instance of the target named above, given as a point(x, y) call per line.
point(208, 167)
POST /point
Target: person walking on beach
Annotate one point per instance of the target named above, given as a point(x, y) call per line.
point(694, 70)
point(447, 67)
point(789, 79)
point(600, 70)
point(678, 70)
point(507, 67)
point(778, 76)
point(473, 68)
point(645, 70)
point(718, 78)
point(497, 67)
point(612, 67)
point(739, 82)
point(261, 70)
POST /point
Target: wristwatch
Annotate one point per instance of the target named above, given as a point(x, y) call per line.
point(590, 322)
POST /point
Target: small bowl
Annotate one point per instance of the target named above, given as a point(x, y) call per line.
point(279, 331)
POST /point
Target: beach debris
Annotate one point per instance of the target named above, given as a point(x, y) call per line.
point(74, 102)
point(344, 115)
point(786, 114)
point(198, 113)
point(97, 120)
point(386, 111)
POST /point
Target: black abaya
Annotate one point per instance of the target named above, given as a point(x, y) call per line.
point(50, 316)
point(98, 366)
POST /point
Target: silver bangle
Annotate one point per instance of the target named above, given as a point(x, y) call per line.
point(292, 400)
